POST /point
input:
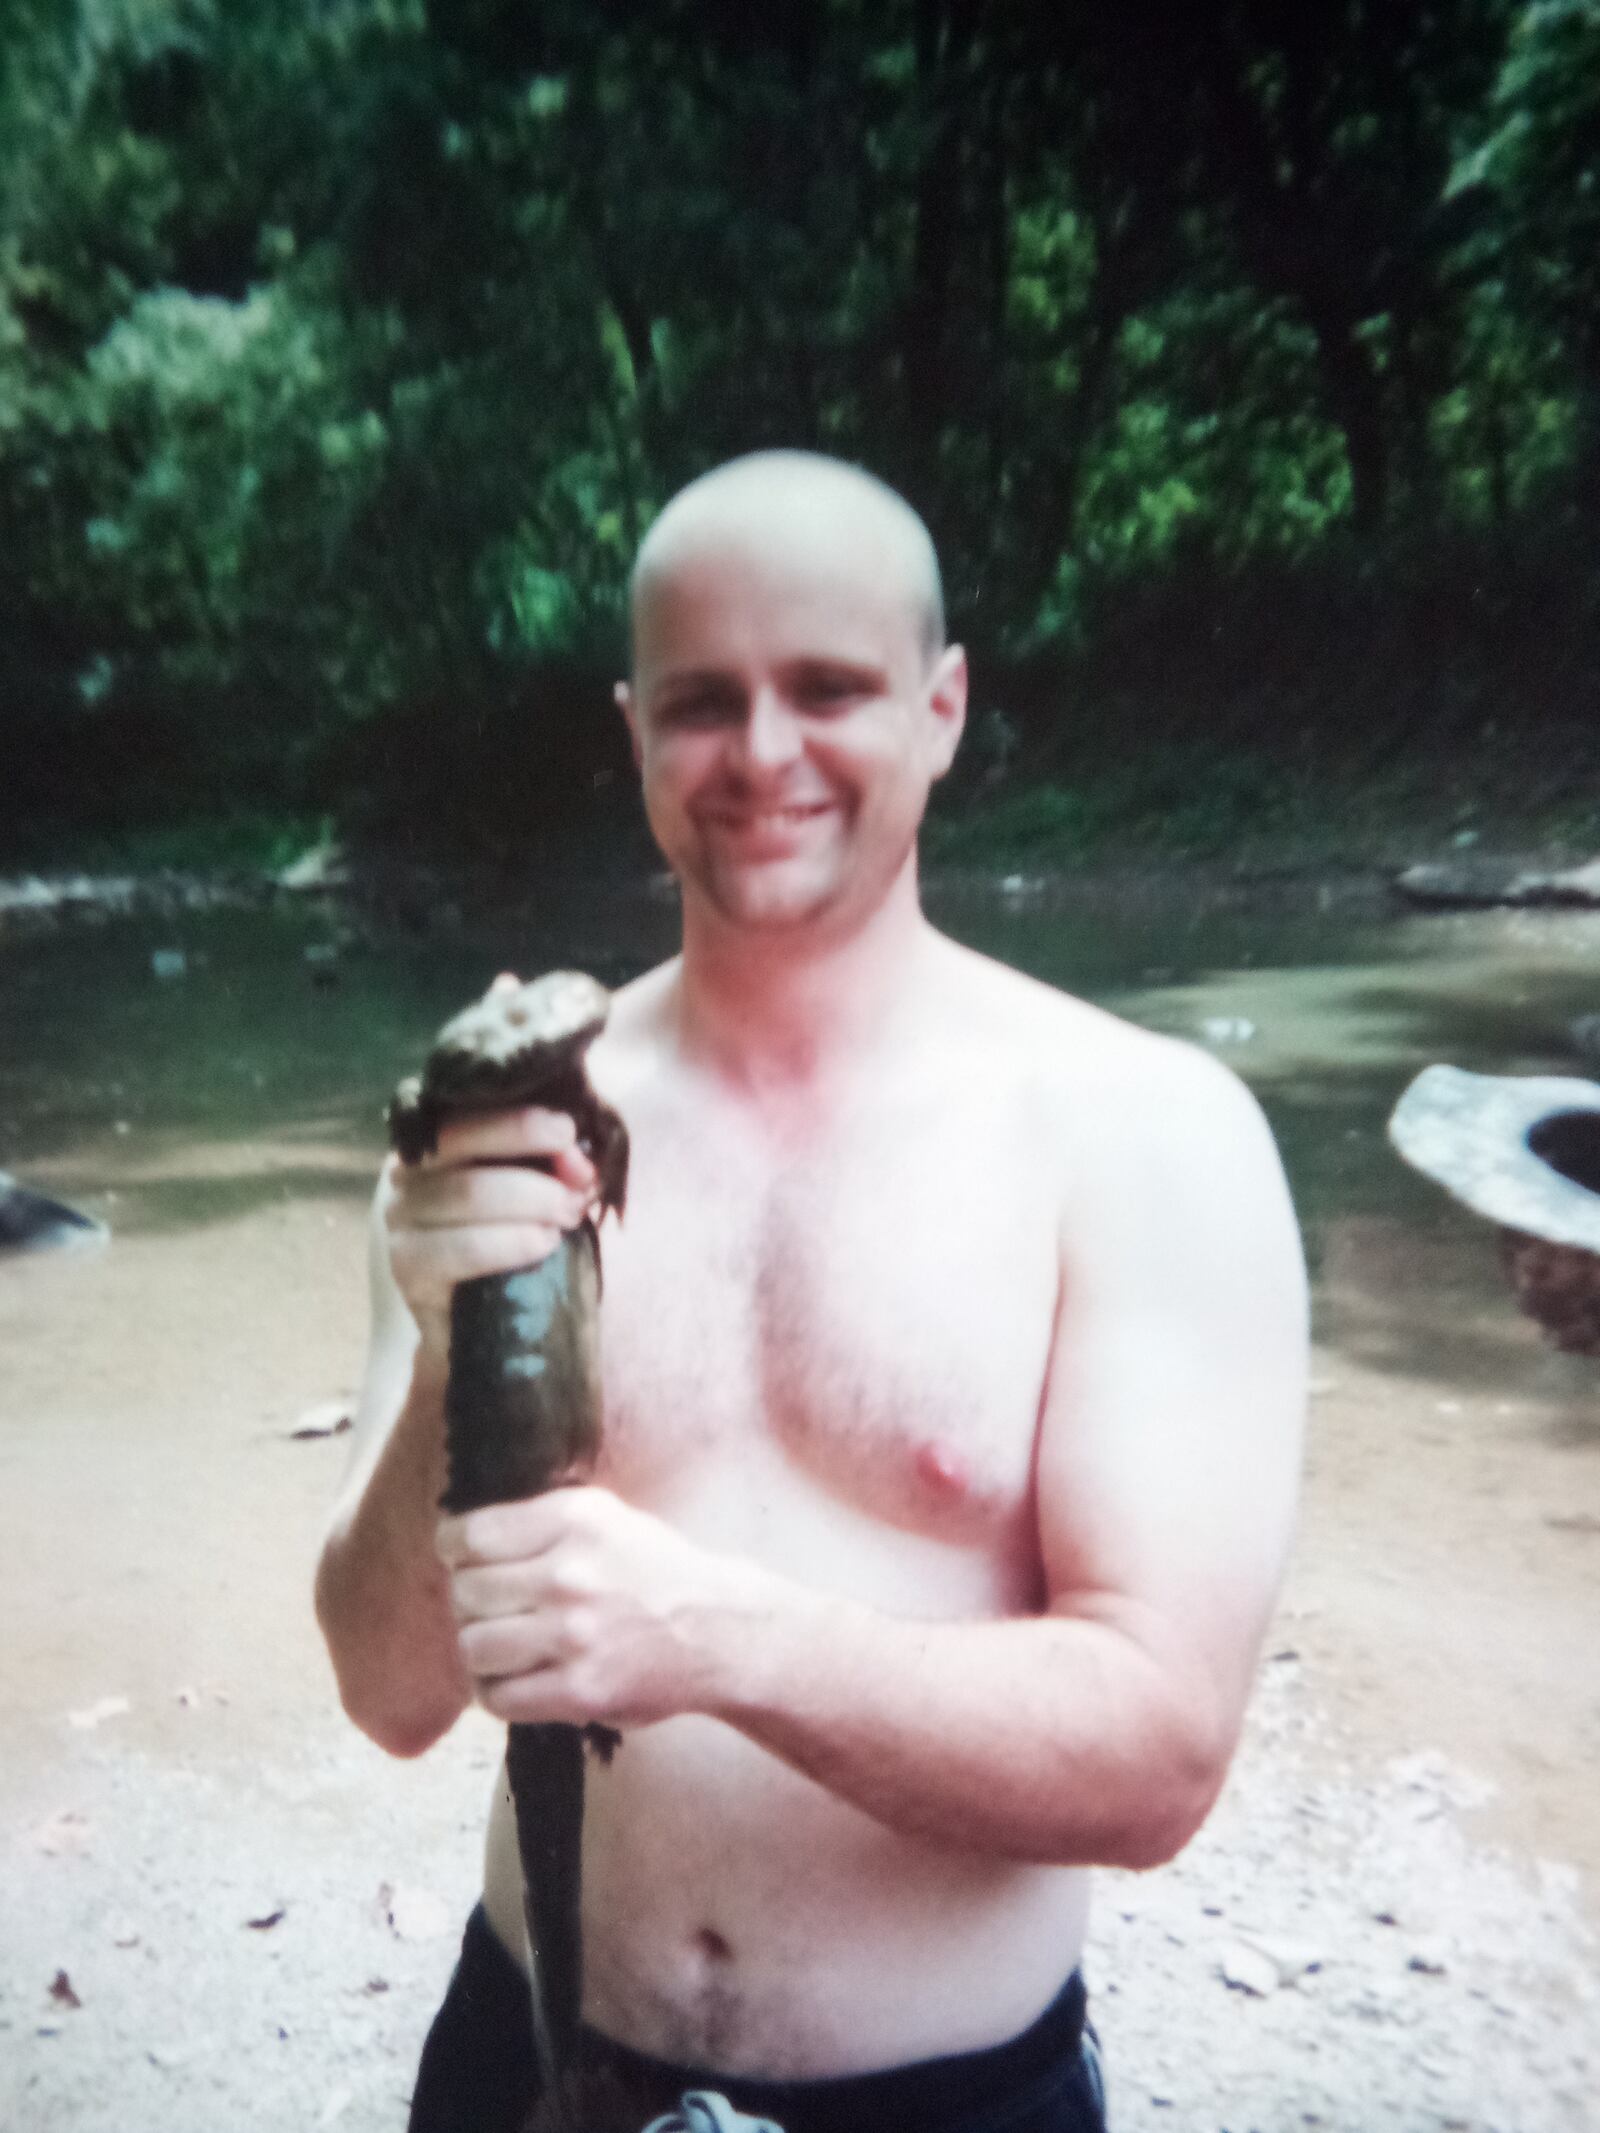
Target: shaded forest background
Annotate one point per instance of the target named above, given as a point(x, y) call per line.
point(1243, 358)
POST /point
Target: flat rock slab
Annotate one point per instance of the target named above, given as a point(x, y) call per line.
point(1466, 884)
point(1471, 1133)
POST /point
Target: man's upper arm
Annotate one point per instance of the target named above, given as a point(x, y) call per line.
point(391, 1351)
point(1170, 1445)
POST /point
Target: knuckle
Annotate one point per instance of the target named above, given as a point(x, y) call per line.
point(586, 1689)
point(585, 1510)
point(481, 1646)
point(486, 1251)
point(579, 1630)
point(537, 1241)
point(575, 1170)
point(473, 1255)
point(482, 1533)
point(546, 1132)
point(576, 1584)
point(499, 1699)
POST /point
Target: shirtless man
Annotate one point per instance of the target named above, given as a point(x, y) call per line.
point(953, 1360)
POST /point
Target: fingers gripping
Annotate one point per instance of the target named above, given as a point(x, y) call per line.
point(497, 1194)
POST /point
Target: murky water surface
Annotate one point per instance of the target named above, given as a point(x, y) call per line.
point(1327, 1014)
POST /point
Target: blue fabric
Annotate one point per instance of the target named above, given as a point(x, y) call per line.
point(703, 2111)
point(478, 2073)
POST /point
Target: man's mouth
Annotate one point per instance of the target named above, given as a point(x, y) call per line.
point(758, 820)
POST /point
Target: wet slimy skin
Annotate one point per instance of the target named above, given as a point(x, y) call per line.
point(522, 1402)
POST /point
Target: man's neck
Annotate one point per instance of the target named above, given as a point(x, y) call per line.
point(780, 1015)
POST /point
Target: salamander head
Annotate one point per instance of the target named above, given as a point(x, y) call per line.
point(518, 1044)
point(526, 1032)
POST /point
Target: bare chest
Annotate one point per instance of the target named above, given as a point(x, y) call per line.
point(863, 1329)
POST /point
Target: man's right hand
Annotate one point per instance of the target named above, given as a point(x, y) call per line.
point(478, 1205)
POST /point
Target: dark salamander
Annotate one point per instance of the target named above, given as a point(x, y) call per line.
point(522, 1403)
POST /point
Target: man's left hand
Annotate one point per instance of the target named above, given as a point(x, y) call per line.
point(574, 1608)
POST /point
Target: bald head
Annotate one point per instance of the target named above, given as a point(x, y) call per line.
point(804, 502)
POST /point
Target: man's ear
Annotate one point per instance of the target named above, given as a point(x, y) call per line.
point(622, 697)
point(947, 703)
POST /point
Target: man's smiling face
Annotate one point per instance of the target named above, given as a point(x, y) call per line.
point(787, 715)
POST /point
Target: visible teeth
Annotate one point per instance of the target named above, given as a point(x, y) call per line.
point(768, 815)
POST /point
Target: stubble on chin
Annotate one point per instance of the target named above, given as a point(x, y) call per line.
point(762, 903)
point(765, 906)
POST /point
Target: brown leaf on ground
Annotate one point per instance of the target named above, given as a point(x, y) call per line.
point(330, 1418)
point(63, 1833)
point(1247, 1969)
point(1573, 1521)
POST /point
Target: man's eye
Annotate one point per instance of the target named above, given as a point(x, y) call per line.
point(830, 689)
point(705, 707)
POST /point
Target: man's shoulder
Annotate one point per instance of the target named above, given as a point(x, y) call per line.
point(634, 1030)
point(637, 1003)
point(1067, 1039)
point(1113, 1090)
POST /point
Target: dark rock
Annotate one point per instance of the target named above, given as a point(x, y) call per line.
point(1558, 1286)
point(1469, 884)
point(1578, 887)
point(30, 1222)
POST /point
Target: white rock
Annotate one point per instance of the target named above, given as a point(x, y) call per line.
point(1247, 1969)
point(1430, 1771)
point(328, 1418)
point(171, 2058)
point(96, 1713)
point(322, 867)
point(1292, 1959)
point(417, 1914)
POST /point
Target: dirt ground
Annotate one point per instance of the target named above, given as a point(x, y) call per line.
point(225, 1909)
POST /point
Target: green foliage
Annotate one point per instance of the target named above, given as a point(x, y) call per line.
point(1048, 824)
point(1175, 799)
point(346, 352)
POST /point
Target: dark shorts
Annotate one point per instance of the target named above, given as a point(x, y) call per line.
point(478, 2074)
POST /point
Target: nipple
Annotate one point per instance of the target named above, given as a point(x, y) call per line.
point(943, 1469)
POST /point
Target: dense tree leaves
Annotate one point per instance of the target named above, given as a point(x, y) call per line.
point(347, 348)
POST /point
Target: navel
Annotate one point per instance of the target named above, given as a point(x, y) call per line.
point(712, 1946)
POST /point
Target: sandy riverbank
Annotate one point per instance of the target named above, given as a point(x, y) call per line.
point(1416, 1815)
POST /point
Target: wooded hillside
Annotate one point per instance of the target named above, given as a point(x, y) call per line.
point(1244, 359)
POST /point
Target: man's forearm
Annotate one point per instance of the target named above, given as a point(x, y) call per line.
point(1053, 1739)
point(382, 1594)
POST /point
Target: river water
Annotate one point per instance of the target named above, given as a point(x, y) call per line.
point(176, 1761)
point(1327, 1012)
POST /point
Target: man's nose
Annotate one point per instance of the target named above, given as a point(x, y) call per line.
point(770, 737)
